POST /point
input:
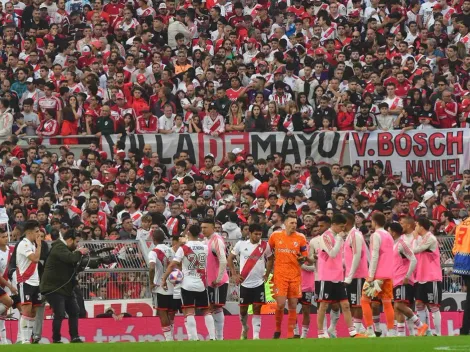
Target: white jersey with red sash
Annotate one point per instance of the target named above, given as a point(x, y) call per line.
point(161, 255)
point(26, 269)
point(394, 103)
point(5, 257)
point(252, 261)
point(210, 125)
point(193, 255)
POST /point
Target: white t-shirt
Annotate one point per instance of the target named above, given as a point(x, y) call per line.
point(28, 270)
point(192, 264)
point(244, 249)
point(161, 255)
point(255, 183)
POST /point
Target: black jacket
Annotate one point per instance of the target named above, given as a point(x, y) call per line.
point(59, 271)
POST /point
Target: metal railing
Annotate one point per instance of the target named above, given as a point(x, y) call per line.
point(129, 277)
point(126, 255)
point(107, 284)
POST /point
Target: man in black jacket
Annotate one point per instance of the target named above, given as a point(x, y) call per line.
point(58, 281)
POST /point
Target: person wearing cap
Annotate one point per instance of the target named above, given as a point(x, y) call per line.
point(213, 123)
point(251, 50)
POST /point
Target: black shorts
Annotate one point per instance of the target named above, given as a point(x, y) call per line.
point(176, 305)
point(332, 292)
point(307, 298)
point(317, 290)
point(429, 292)
point(2, 292)
point(218, 295)
point(16, 301)
point(254, 295)
point(355, 292)
point(194, 299)
point(162, 302)
point(29, 294)
point(404, 293)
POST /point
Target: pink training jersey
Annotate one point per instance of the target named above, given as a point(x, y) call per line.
point(401, 264)
point(214, 245)
point(428, 268)
point(384, 265)
point(349, 251)
point(330, 269)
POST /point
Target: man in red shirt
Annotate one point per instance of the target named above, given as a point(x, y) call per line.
point(446, 199)
point(146, 123)
point(446, 110)
point(369, 192)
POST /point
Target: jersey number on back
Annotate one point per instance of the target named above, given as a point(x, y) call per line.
point(197, 261)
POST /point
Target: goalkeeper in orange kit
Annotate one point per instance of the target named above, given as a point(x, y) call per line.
point(290, 252)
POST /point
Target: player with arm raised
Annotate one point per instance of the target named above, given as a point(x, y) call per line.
point(380, 275)
point(290, 252)
point(253, 254)
point(355, 260)
point(428, 286)
point(331, 275)
point(404, 264)
point(159, 259)
point(217, 276)
point(192, 255)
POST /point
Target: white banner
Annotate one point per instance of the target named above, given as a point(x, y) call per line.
point(431, 152)
point(324, 147)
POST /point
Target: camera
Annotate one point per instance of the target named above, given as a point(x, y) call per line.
point(95, 258)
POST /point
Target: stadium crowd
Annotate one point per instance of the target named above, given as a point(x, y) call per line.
point(75, 67)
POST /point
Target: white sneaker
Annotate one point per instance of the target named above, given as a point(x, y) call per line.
point(324, 336)
point(370, 333)
point(332, 332)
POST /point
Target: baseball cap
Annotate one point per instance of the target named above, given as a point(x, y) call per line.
point(199, 71)
point(119, 96)
point(237, 150)
point(111, 170)
point(212, 107)
point(30, 80)
point(162, 6)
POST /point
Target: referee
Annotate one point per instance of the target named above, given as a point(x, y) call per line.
point(57, 284)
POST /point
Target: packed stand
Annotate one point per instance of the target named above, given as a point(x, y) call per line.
point(128, 197)
point(80, 68)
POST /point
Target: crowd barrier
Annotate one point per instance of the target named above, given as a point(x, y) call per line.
point(148, 329)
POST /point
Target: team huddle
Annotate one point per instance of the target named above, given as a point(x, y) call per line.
point(399, 271)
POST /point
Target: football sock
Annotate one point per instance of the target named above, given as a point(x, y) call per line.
point(219, 320)
point(367, 312)
point(401, 329)
point(244, 321)
point(256, 324)
point(305, 329)
point(389, 314)
point(279, 315)
point(209, 320)
point(191, 327)
point(334, 317)
point(167, 333)
point(291, 323)
point(436, 316)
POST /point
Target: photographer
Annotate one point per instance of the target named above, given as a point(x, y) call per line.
point(58, 281)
